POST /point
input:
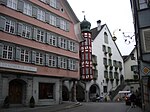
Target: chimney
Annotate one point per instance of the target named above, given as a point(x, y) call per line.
point(98, 25)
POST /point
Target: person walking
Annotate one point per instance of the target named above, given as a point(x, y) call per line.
point(133, 100)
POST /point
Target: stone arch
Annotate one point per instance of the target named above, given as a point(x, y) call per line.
point(94, 92)
point(17, 91)
point(65, 93)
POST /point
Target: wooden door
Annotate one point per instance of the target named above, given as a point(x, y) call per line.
point(15, 92)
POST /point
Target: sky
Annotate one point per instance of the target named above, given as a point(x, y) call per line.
point(115, 13)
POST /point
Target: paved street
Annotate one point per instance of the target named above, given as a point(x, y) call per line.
point(103, 107)
point(78, 107)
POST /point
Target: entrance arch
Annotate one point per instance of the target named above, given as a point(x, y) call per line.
point(16, 91)
point(80, 93)
point(94, 92)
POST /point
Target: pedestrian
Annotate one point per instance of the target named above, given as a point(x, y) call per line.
point(133, 100)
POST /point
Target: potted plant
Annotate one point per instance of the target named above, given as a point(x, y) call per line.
point(6, 102)
point(32, 102)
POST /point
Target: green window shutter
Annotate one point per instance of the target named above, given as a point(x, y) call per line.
point(57, 4)
point(20, 5)
point(3, 2)
point(47, 17)
point(68, 44)
point(33, 57)
point(58, 22)
point(59, 62)
point(2, 23)
point(34, 33)
point(34, 12)
point(19, 29)
point(18, 54)
point(1, 50)
point(48, 37)
point(59, 42)
point(76, 47)
point(76, 66)
point(47, 60)
point(69, 67)
point(67, 26)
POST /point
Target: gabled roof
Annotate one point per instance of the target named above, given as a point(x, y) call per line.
point(95, 32)
point(125, 58)
point(70, 11)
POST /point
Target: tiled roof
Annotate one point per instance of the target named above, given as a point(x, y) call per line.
point(95, 32)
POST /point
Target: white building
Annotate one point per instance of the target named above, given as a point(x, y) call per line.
point(108, 64)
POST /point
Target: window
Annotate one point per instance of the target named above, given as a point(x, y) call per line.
point(63, 43)
point(12, 4)
point(43, 1)
point(63, 63)
point(72, 46)
point(46, 90)
point(41, 15)
point(143, 4)
point(63, 25)
point(53, 40)
point(24, 55)
point(10, 26)
point(105, 89)
point(26, 31)
point(52, 61)
point(39, 58)
point(27, 9)
point(40, 35)
point(7, 52)
point(52, 20)
point(72, 64)
point(105, 38)
point(105, 61)
point(53, 3)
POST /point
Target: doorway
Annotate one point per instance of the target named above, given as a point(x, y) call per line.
point(16, 88)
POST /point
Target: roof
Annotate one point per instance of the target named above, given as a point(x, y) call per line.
point(95, 32)
point(126, 57)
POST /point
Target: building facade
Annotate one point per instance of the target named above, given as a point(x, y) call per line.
point(141, 16)
point(38, 50)
point(107, 63)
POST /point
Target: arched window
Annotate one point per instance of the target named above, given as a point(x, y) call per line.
point(105, 38)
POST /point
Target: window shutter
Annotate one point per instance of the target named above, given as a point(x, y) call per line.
point(3, 2)
point(18, 54)
point(67, 26)
point(48, 2)
point(47, 60)
point(76, 47)
point(68, 44)
point(1, 50)
point(76, 66)
point(57, 4)
point(20, 5)
point(146, 34)
point(33, 57)
point(58, 22)
point(69, 67)
point(59, 62)
point(34, 33)
point(47, 17)
point(34, 12)
point(47, 38)
point(59, 41)
point(2, 23)
point(19, 29)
